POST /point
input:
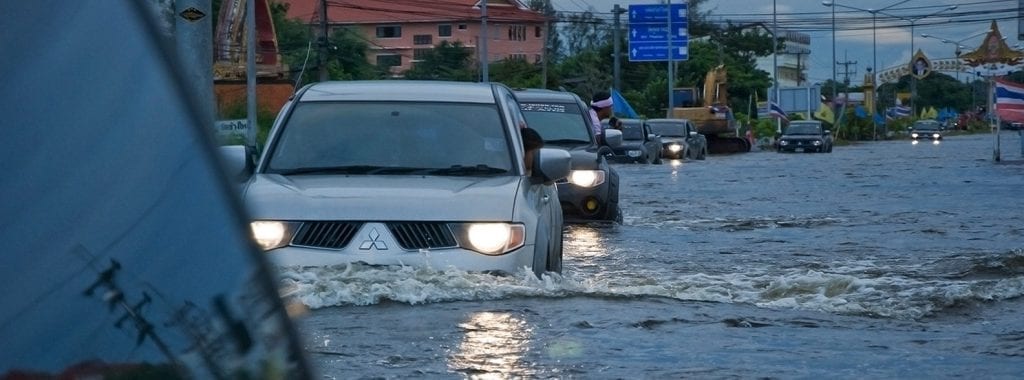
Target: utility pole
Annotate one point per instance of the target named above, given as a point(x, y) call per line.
point(321, 60)
point(250, 71)
point(617, 52)
point(194, 45)
point(799, 65)
point(484, 62)
point(847, 72)
point(546, 55)
point(846, 81)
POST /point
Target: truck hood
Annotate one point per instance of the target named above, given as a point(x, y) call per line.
point(380, 197)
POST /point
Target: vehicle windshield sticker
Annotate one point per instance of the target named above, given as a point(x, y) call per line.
point(537, 107)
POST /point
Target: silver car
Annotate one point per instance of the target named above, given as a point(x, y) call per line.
point(424, 174)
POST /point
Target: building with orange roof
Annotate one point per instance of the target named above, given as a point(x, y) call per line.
point(400, 32)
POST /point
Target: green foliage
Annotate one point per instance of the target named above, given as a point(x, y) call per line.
point(264, 121)
point(446, 61)
point(516, 73)
point(765, 127)
point(586, 73)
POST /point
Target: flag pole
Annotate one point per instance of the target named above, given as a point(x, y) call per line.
point(992, 109)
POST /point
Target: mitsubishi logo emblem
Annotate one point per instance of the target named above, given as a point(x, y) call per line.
point(374, 242)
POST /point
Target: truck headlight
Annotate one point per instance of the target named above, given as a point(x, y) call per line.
point(270, 234)
point(491, 238)
point(586, 178)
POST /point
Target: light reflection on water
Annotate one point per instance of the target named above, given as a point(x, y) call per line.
point(585, 241)
point(493, 346)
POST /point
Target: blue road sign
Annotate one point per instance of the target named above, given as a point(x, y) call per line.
point(655, 27)
point(657, 51)
point(650, 32)
point(654, 13)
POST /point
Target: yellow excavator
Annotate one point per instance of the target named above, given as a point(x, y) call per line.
point(713, 118)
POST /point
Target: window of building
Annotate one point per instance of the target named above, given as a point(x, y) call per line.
point(389, 31)
point(462, 26)
point(389, 60)
point(536, 58)
point(444, 30)
point(517, 32)
point(517, 56)
point(537, 32)
point(422, 39)
point(420, 54)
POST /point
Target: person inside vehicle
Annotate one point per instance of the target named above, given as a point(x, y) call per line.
point(532, 142)
point(600, 108)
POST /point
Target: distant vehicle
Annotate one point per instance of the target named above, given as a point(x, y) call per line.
point(926, 130)
point(591, 191)
point(389, 173)
point(1011, 126)
point(805, 136)
point(639, 144)
point(679, 138)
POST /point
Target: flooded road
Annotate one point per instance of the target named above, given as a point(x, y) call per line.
point(879, 260)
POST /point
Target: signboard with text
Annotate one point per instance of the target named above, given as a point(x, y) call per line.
point(658, 32)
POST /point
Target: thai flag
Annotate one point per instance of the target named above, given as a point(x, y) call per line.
point(775, 111)
point(1010, 100)
point(897, 112)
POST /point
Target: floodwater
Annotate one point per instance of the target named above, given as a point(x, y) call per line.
point(880, 260)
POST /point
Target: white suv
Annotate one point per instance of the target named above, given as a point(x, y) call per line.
point(426, 174)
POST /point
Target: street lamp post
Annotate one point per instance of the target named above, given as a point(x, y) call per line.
point(874, 44)
point(956, 44)
point(913, 22)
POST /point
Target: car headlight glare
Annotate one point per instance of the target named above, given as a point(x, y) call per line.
point(914, 135)
point(783, 142)
point(586, 178)
point(675, 148)
point(935, 135)
point(491, 238)
point(270, 234)
point(816, 142)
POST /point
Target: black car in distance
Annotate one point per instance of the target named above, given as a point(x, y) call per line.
point(926, 130)
point(805, 136)
point(591, 191)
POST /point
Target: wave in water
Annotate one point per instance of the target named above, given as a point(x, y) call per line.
point(868, 293)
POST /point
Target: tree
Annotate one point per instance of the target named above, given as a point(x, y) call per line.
point(516, 73)
point(346, 56)
point(583, 32)
point(446, 61)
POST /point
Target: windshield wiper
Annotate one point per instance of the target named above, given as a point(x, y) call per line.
point(458, 170)
point(348, 169)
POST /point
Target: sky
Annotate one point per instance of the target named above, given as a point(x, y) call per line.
point(968, 24)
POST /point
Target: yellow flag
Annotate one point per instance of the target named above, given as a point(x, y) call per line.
point(932, 113)
point(825, 114)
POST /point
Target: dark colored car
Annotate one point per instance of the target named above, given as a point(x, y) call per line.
point(679, 138)
point(926, 130)
point(639, 143)
point(591, 191)
point(805, 136)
